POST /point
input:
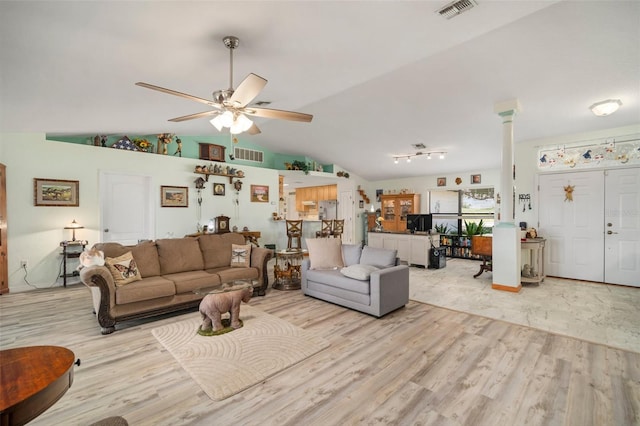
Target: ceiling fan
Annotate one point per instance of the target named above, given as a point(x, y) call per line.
point(231, 106)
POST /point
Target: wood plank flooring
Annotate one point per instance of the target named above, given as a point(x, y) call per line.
point(420, 365)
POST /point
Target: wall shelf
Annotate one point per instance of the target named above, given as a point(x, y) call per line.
point(207, 174)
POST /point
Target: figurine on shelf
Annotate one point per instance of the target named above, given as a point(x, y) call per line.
point(179, 150)
point(164, 139)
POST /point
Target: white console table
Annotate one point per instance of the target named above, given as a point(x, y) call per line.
point(533, 255)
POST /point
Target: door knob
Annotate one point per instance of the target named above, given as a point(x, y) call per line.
point(106, 230)
point(611, 232)
point(609, 224)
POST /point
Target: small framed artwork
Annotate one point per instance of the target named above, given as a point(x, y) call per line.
point(56, 192)
point(442, 181)
point(174, 196)
point(361, 204)
point(260, 193)
point(218, 189)
point(378, 194)
point(476, 179)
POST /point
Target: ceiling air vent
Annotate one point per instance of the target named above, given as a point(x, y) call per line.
point(419, 146)
point(248, 154)
point(456, 8)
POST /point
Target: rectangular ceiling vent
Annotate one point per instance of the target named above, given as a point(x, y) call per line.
point(456, 8)
point(248, 154)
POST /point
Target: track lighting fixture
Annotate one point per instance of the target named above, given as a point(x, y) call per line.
point(441, 154)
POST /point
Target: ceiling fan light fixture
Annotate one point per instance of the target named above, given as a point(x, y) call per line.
point(604, 108)
point(217, 122)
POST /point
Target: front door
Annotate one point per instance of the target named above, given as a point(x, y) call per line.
point(622, 227)
point(571, 219)
point(591, 221)
point(127, 208)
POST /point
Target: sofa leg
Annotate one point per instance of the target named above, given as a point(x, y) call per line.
point(107, 330)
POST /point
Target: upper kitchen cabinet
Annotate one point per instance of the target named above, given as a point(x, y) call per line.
point(307, 198)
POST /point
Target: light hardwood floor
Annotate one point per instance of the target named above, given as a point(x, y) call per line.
point(419, 365)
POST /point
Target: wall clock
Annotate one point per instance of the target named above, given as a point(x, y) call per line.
point(212, 152)
point(221, 224)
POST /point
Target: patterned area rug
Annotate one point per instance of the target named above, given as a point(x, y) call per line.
point(227, 364)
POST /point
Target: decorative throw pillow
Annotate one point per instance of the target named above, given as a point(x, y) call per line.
point(240, 255)
point(123, 268)
point(359, 272)
point(325, 253)
point(382, 258)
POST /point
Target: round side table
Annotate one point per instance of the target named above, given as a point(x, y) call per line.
point(287, 269)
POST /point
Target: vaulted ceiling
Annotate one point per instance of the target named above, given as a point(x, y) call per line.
point(377, 76)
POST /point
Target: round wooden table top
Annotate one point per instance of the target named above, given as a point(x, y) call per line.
point(31, 380)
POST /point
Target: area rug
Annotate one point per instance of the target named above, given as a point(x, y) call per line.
point(227, 364)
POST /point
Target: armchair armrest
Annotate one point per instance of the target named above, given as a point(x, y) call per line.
point(259, 258)
point(389, 288)
point(103, 291)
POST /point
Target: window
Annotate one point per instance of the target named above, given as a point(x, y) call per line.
point(451, 209)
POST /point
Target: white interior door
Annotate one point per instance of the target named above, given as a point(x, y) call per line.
point(346, 212)
point(622, 227)
point(126, 207)
point(573, 224)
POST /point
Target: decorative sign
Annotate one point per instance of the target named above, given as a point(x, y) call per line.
point(609, 153)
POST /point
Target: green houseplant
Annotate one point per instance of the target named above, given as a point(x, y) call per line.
point(473, 228)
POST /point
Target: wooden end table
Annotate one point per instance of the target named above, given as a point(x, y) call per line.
point(32, 379)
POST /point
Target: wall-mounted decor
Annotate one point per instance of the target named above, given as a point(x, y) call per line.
point(260, 193)
point(218, 189)
point(174, 196)
point(476, 178)
point(608, 152)
point(378, 194)
point(56, 192)
point(442, 181)
point(458, 181)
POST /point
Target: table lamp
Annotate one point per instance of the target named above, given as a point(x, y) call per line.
point(73, 226)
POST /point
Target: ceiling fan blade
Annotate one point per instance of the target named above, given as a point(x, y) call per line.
point(182, 95)
point(278, 113)
point(193, 116)
point(247, 90)
point(254, 130)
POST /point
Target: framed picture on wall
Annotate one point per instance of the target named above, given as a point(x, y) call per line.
point(476, 179)
point(442, 181)
point(260, 193)
point(174, 196)
point(218, 189)
point(56, 192)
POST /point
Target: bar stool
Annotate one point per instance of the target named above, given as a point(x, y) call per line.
point(338, 227)
point(294, 230)
point(325, 231)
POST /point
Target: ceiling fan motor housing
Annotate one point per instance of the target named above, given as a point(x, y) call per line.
point(222, 96)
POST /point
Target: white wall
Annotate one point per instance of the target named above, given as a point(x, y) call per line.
point(34, 233)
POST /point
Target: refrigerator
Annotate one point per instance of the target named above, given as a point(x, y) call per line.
point(328, 209)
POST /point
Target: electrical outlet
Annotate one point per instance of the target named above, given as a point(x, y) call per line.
point(24, 263)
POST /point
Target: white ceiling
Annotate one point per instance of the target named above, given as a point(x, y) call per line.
point(378, 76)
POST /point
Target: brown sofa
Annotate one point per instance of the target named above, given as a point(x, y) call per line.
point(171, 270)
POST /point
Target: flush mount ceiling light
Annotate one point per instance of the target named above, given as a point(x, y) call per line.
point(440, 154)
point(604, 108)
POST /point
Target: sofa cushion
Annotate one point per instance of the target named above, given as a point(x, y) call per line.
point(240, 255)
point(333, 278)
point(145, 254)
point(146, 289)
point(325, 253)
point(216, 248)
point(123, 269)
point(351, 254)
point(230, 274)
point(179, 255)
point(382, 258)
point(359, 272)
point(187, 282)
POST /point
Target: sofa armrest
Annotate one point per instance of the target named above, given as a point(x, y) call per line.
point(390, 288)
point(103, 291)
point(259, 258)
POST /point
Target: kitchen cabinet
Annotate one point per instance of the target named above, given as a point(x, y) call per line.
point(395, 208)
point(315, 194)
